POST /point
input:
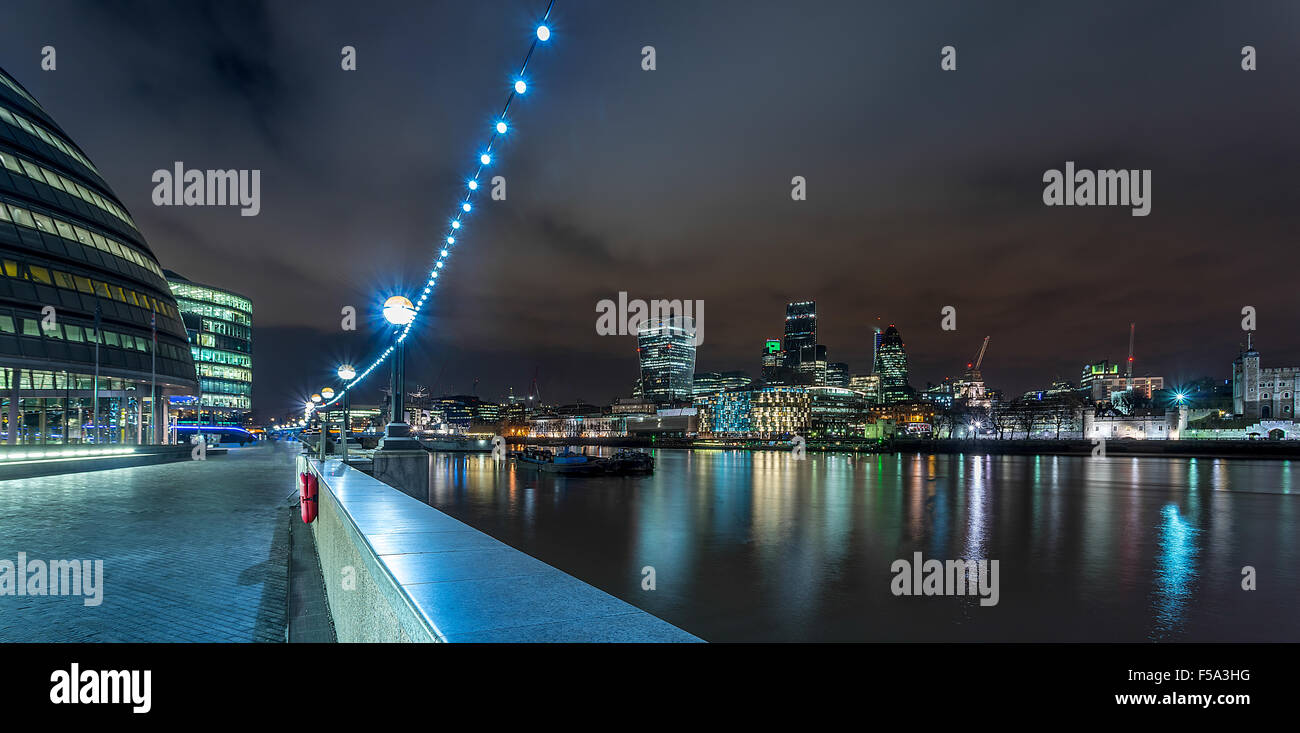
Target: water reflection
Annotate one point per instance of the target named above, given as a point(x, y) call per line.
point(758, 546)
point(1175, 572)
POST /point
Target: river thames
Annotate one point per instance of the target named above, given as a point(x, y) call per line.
point(762, 547)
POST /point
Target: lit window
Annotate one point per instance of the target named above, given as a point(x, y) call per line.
point(21, 216)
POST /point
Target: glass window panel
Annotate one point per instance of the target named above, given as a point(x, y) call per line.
point(11, 268)
point(52, 179)
point(111, 338)
point(6, 324)
point(83, 284)
point(33, 171)
point(21, 216)
point(43, 222)
point(64, 280)
point(41, 275)
point(31, 327)
point(65, 230)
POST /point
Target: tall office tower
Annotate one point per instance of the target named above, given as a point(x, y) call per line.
point(891, 366)
point(811, 366)
point(837, 374)
point(667, 353)
point(68, 243)
point(773, 361)
point(220, 327)
point(876, 338)
point(800, 329)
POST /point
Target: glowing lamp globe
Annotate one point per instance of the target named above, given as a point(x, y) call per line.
point(346, 372)
point(399, 311)
point(315, 398)
point(327, 393)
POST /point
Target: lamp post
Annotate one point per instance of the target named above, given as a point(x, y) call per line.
point(325, 393)
point(315, 400)
point(346, 373)
point(397, 434)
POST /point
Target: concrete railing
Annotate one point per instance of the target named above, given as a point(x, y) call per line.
point(396, 569)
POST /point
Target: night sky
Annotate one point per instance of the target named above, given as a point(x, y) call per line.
point(924, 186)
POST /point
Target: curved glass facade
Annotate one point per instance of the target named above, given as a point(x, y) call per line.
point(219, 324)
point(69, 250)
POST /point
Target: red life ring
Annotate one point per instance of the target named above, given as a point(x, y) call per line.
point(307, 497)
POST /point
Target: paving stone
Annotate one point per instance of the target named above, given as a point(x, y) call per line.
point(192, 551)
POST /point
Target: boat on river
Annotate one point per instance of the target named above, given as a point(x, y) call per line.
point(570, 463)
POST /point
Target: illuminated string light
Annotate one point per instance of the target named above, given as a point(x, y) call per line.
point(520, 87)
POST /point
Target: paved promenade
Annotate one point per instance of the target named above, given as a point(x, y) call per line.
point(192, 551)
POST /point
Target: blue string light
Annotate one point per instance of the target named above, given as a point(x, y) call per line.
point(500, 127)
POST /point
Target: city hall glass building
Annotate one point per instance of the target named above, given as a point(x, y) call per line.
point(70, 254)
point(219, 324)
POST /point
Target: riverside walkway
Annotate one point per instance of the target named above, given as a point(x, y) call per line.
point(195, 551)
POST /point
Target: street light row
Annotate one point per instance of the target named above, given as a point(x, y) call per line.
point(398, 310)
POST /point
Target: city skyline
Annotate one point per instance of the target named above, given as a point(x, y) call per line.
point(924, 190)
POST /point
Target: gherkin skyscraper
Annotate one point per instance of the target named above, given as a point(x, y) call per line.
point(891, 366)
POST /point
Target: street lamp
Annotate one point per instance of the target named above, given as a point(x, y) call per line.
point(346, 373)
point(397, 434)
point(326, 393)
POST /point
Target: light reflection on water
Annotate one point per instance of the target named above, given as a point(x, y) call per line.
point(758, 546)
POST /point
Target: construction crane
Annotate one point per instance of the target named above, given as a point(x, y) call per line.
point(1128, 380)
point(972, 387)
point(979, 359)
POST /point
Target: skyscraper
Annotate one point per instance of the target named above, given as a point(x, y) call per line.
point(773, 362)
point(800, 329)
point(667, 353)
point(891, 366)
point(220, 328)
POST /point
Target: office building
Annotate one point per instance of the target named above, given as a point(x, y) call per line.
point(666, 349)
point(891, 367)
point(219, 325)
